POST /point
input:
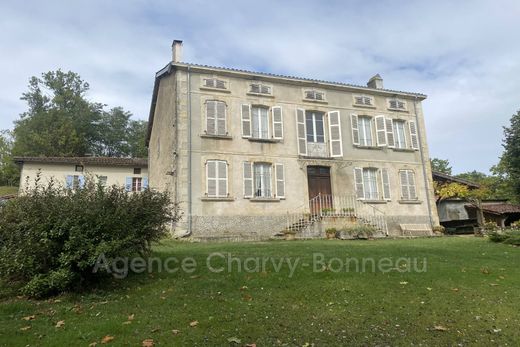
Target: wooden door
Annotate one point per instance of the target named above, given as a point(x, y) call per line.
point(319, 184)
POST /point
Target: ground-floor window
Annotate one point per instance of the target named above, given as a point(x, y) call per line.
point(216, 178)
point(372, 183)
point(262, 180)
point(408, 189)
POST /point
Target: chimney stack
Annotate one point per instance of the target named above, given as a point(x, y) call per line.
point(375, 82)
point(177, 51)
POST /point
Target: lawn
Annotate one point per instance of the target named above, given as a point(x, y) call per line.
point(468, 295)
point(5, 190)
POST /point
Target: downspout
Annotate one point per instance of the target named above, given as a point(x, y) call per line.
point(189, 153)
point(426, 183)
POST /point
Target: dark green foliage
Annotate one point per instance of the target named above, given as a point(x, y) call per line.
point(50, 238)
point(9, 171)
point(510, 160)
point(441, 165)
point(511, 237)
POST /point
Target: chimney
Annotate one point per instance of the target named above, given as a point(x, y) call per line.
point(177, 51)
point(375, 82)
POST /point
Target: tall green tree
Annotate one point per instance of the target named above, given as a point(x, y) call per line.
point(510, 160)
point(137, 139)
point(60, 121)
point(441, 165)
point(9, 172)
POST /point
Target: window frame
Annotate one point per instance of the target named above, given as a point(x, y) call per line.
point(267, 129)
point(408, 185)
point(314, 93)
point(216, 118)
point(400, 143)
point(217, 179)
point(314, 127)
point(364, 119)
point(260, 86)
point(137, 184)
point(398, 102)
point(263, 188)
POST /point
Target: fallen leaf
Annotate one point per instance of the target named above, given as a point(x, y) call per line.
point(60, 324)
point(127, 322)
point(247, 297)
point(403, 282)
point(493, 284)
point(234, 340)
point(440, 328)
point(57, 301)
point(131, 317)
point(243, 288)
point(430, 289)
point(107, 339)
point(175, 331)
point(154, 330)
point(455, 289)
point(485, 271)
point(93, 344)
point(194, 323)
point(251, 345)
point(148, 343)
point(194, 276)
point(25, 328)
point(496, 331)
point(29, 317)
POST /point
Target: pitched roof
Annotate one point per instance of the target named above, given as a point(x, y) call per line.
point(440, 176)
point(167, 69)
point(100, 161)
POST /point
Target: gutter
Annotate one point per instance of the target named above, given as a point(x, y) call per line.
point(189, 154)
point(426, 185)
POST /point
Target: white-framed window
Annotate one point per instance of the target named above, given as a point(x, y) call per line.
point(262, 122)
point(396, 104)
point(366, 137)
point(216, 179)
point(314, 95)
point(315, 127)
point(137, 184)
point(75, 181)
point(260, 88)
point(363, 100)
point(102, 181)
point(216, 114)
point(372, 183)
point(214, 82)
point(264, 180)
point(399, 133)
point(408, 188)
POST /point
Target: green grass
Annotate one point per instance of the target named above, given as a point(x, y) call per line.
point(5, 190)
point(471, 288)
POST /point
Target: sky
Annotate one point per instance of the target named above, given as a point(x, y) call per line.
point(465, 55)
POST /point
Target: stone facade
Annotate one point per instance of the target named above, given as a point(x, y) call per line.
point(183, 141)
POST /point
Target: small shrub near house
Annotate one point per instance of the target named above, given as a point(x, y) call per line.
point(51, 237)
point(509, 236)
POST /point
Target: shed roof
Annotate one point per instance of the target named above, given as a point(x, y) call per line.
point(99, 161)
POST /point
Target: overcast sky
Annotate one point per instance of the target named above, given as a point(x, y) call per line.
point(465, 55)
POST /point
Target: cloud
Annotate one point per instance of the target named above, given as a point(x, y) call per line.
point(462, 54)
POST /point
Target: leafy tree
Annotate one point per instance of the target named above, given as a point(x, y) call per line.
point(9, 172)
point(510, 160)
point(60, 121)
point(497, 186)
point(137, 139)
point(441, 165)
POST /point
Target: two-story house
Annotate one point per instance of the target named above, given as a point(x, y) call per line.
point(250, 153)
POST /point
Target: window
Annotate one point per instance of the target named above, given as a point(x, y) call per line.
point(137, 171)
point(399, 133)
point(363, 100)
point(102, 181)
point(396, 104)
point(214, 83)
point(365, 131)
point(257, 124)
point(137, 183)
point(216, 117)
point(314, 95)
point(258, 88)
point(79, 168)
point(260, 122)
point(75, 181)
point(260, 180)
point(314, 125)
point(216, 178)
point(372, 183)
point(408, 189)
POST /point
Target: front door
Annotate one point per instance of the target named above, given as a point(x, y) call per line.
point(319, 184)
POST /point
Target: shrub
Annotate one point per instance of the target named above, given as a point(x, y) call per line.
point(360, 231)
point(511, 237)
point(51, 237)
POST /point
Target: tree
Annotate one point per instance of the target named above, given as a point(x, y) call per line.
point(137, 139)
point(441, 165)
point(510, 160)
point(60, 121)
point(9, 172)
point(496, 185)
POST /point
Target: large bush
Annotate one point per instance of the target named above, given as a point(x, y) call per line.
point(51, 237)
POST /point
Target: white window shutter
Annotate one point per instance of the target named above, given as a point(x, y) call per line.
point(211, 178)
point(248, 179)
point(390, 138)
point(385, 181)
point(380, 130)
point(246, 120)
point(414, 140)
point(355, 128)
point(336, 144)
point(403, 176)
point(301, 131)
point(277, 122)
point(221, 118)
point(211, 115)
point(411, 185)
point(358, 178)
point(222, 175)
point(280, 181)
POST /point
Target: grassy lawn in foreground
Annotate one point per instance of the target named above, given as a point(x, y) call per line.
point(5, 190)
point(468, 295)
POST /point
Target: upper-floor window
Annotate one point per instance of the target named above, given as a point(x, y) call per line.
point(394, 133)
point(216, 118)
point(396, 104)
point(136, 184)
point(262, 122)
point(137, 171)
point(399, 133)
point(78, 168)
point(363, 100)
point(314, 125)
point(214, 83)
point(365, 131)
point(259, 88)
point(314, 95)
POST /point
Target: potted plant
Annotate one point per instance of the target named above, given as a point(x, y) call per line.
point(331, 233)
point(289, 234)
